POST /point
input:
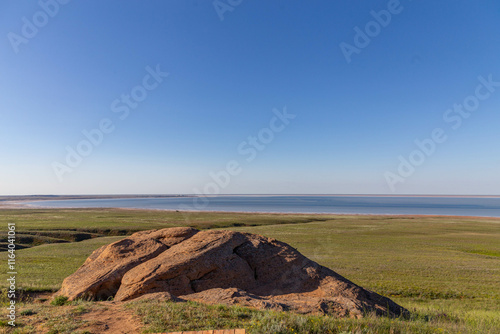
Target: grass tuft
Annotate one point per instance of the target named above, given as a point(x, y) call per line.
point(59, 301)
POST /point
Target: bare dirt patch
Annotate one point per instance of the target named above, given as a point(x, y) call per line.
point(41, 317)
point(111, 317)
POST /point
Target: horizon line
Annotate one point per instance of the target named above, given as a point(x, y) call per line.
point(4, 197)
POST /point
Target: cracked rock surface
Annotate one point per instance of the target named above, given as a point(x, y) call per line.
point(223, 267)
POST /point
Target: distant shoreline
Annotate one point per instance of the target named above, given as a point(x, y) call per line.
point(32, 198)
point(63, 197)
point(37, 203)
point(19, 201)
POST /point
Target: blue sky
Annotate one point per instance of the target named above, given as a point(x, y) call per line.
point(63, 65)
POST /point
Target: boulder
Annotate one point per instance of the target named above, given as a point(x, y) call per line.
point(101, 274)
point(224, 267)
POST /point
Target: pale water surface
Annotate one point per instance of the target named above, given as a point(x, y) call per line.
point(459, 206)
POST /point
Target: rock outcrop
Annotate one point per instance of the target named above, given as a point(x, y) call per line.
point(220, 267)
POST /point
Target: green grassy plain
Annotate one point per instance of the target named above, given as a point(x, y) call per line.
point(445, 270)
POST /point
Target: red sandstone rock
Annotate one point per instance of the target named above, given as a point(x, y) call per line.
point(220, 267)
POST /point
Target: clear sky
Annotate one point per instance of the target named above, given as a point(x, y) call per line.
point(238, 97)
